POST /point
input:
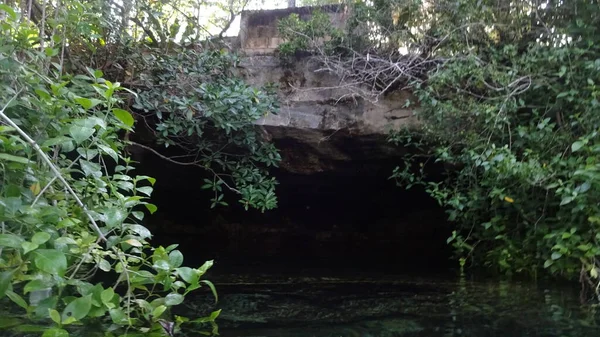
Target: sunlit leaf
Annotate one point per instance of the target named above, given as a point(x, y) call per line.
point(81, 133)
point(124, 116)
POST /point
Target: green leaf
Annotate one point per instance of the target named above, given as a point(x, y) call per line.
point(124, 116)
point(212, 289)
point(36, 284)
point(188, 274)
point(51, 261)
point(28, 247)
point(205, 267)
point(576, 146)
point(10, 240)
point(158, 311)
point(90, 169)
point(107, 150)
point(104, 265)
point(106, 296)
point(134, 242)
point(55, 332)
point(173, 299)
point(5, 281)
point(151, 208)
point(18, 300)
point(175, 258)
point(118, 316)
point(211, 318)
point(54, 315)
point(40, 238)
point(567, 200)
point(147, 190)
point(115, 217)
point(17, 159)
point(9, 11)
point(78, 308)
point(81, 133)
point(556, 256)
point(87, 103)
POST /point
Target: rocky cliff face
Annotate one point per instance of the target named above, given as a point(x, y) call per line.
point(321, 122)
point(336, 201)
point(322, 125)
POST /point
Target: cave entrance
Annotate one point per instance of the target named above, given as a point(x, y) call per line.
point(333, 213)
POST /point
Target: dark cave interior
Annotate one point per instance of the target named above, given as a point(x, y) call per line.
point(348, 217)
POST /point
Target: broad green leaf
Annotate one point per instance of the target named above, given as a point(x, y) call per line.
point(556, 256)
point(188, 274)
point(147, 190)
point(175, 258)
point(54, 315)
point(90, 168)
point(10, 240)
point(115, 217)
point(40, 238)
point(29, 246)
point(78, 308)
point(104, 265)
point(17, 159)
point(87, 103)
point(107, 295)
point(80, 133)
point(55, 332)
point(118, 316)
point(173, 299)
point(151, 208)
point(576, 146)
point(36, 284)
point(51, 261)
point(140, 230)
point(124, 116)
point(109, 151)
point(158, 311)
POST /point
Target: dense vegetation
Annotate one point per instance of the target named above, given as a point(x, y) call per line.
point(507, 94)
point(76, 78)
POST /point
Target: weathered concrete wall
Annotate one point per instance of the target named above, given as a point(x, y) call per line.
point(258, 29)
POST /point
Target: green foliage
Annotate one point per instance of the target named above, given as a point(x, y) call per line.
point(517, 115)
point(71, 205)
point(201, 107)
point(307, 35)
point(507, 95)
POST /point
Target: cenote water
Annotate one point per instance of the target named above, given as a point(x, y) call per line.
point(350, 303)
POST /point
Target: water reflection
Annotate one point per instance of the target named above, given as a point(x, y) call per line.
point(308, 305)
point(400, 306)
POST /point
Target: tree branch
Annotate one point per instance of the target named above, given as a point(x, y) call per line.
point(193, 163)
